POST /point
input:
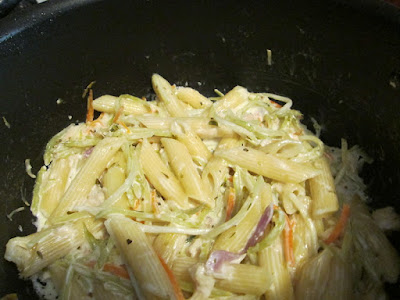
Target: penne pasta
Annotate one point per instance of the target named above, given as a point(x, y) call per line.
point(184, 169)
point(242, 279)
point(272, 261)
point(84, 181)
point(192, 97)
point(34, 252)
point(161, 177)
point(113, 178)
point(322, 188)
point(216, 170)
point(233, 100)
point(168, 245)
point(131, 105)
point(52, 192)
point(267, 165)
point(141, 258)
point(165, 93)
point(197, 149)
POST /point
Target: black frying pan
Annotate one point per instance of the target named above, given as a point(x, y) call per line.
point(339, 62)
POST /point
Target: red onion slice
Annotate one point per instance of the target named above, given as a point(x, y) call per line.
point(87, 153)
point(218, 258)
point(260, 229)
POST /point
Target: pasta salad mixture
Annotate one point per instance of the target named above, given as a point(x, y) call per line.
point(189, 197)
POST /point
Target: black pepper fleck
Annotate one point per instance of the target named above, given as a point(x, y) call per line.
point(128, 241)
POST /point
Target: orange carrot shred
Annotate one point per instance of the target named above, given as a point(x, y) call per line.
point(120, 271)
point(172, 279)
point(231, 203)
point(123, 125)
point(288, 240)
point(90, 109)
point(118, 114)
point(277, 105)
point(97, 120)
point(340, 225)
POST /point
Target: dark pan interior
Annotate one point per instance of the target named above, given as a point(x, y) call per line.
point(340, 65)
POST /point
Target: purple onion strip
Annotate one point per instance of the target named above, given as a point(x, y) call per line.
point(87, 153)
point(219, 257)
point(260, 229)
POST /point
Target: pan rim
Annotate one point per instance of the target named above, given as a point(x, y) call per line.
point(15, 23)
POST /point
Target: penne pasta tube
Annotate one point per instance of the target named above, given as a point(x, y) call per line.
point(192, 97)
point(233, 100)
point(55, 187)
point(141, 259)
point(240, 278)
point(245, 279)
point(198, 125)
point(161, 177)
point(197, 149)
point(131, 105)
point(216, 170)
point(272, 261)
point(305, 239)
point(322, 189)
point(184, 168)
point(84, 181)
point(166, 94)
point(34, 252)
point(168, 245)
point(113, 178)
point(267, 165)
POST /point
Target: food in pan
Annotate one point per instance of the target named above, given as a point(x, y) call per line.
point(189, 197)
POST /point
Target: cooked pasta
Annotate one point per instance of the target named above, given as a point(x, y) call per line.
point(190, 197)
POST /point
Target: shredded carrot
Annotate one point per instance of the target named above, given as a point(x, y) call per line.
point(123, 125)
point(154, 203)
point(90, 109)
point(113, 269)
point(231, 203)
point(277, 105)
point(288, 237)
point(340, 225)
point(230, 179)
point(118, 114)
point(119, 271)
point(172, 279)
point(97, 120)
